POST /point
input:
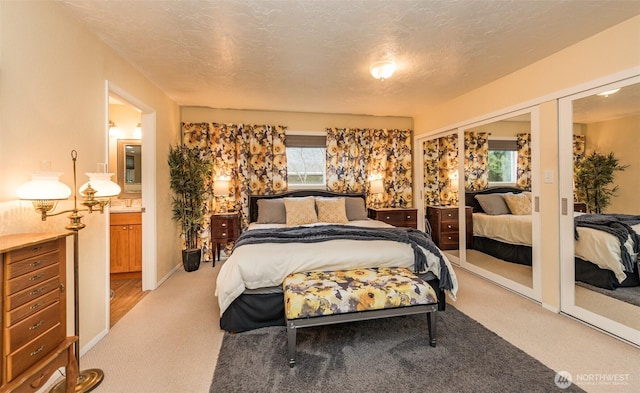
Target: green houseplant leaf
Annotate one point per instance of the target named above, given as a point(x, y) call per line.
point(594, 175)
point(188, 172)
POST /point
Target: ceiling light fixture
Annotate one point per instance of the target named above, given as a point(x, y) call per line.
point(609, 92)
point(382, 69)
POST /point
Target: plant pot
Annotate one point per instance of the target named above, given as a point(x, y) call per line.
point(191, 259)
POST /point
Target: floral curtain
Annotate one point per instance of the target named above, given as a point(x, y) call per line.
point(441, 171)
point(253, 156)
point(476, 160)
point(523, 174)
point(354, 155)
point(578, 155)
point(431, 160)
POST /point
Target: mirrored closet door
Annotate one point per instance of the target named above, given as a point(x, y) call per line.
point(600, 176)
point(498, 200)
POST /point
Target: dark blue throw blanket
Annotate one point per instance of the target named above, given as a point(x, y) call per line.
point(322, 233)
point(618, 225)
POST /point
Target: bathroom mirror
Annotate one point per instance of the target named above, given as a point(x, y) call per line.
point(130, 168)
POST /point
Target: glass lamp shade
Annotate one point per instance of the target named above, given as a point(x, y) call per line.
point(377, 186)
point(101, 182)
point(221, 187)
point(44, 186)
point(382, 70)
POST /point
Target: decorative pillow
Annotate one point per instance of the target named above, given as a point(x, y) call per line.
point(355, 208)
point(527, 194)
point(271, 211)
point(300, 211)
point(493, 204)
point(332, 210)
point(519, 204)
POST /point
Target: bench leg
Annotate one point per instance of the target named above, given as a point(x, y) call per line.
point(291, 342)
point(431, 323)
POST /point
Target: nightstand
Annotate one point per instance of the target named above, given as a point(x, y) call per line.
point(225, 228)
point(396, 216)
point(580, 207)
point(445, 226)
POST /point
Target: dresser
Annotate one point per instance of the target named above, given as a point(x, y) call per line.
point(126, 242)
point(445, 226)
point(398, 217)
point(225, 228)
point(34, 329)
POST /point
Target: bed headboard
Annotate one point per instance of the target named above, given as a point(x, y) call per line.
point(253, 199)
point(470, 200)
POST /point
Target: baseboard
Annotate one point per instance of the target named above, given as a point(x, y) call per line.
point(551, 308)
point(166, 277)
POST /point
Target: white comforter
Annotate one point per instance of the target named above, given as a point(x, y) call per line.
point(598, 247)
point(265, 265)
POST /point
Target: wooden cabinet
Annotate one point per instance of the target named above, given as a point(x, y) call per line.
point(126, 242)
point(580, 207)
point(34, 322)
point(225, 228)
point(445, 226)
point(398, 217)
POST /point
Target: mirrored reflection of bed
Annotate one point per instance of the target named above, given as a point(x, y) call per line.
point(249, 285)
point(602, 260)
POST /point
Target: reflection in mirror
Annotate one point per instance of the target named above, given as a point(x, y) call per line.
point(606, 271)
point(130, 168)
point(497, 162)
point(440, 157)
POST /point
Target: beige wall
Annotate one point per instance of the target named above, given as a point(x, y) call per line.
point(53, 100)
point(295, 121)
point(622, 137)
point(612, 51)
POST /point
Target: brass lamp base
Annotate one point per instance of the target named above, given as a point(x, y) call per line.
point(87, 381)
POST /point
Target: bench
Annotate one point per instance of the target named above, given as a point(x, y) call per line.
point(323, 298)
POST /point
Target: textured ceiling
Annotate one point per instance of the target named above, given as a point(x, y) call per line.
point(314, 56)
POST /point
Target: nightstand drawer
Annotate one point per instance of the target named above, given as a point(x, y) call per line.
point(398, 217)
point(449, 241)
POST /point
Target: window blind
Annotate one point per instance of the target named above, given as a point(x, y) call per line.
point(511, 145)
point(306, 141)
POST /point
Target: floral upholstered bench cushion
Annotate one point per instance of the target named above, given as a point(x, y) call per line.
point(315, 294)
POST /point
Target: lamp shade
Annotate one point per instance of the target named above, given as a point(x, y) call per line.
point(44, 186)
point(221, 186)
point(383, 69)
point(101, 182)
point(377, 186)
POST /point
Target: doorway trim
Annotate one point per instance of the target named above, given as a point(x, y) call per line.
point(149, 208)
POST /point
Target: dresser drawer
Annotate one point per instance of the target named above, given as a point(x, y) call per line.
point(449, 215)
point(31, 294)
point(33, 306)
point(30, 328)
point(449, 226)
point(30, 264)
point(35, 350)
point(34, 278)
point(449, 241)
point(31, 251)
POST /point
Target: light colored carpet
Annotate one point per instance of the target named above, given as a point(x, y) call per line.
point(169, 342)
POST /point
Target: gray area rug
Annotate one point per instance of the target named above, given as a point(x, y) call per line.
point(383, 355)
point(629, 295)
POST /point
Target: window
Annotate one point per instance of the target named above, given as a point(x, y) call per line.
point(503, 161)
point(306, 160)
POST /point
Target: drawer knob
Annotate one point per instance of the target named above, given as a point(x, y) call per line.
point(408, 217)
point(388, 218)
point(36, 277)
point(37, 351)
point(124, 228)
point(224, 224)
point(37, 325)
point(449, 226)
point(224, 233)
point(36, 291)
point(35, 263)
point(449, 214)
point(449, 237)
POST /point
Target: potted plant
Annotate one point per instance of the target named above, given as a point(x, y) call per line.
point(188, 172)
point(594, 174)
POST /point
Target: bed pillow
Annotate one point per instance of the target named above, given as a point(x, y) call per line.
point(493, 204)
point(332, 210)
point(300, 211)
point(518, 204)
point(271, 211)
point(355, 208)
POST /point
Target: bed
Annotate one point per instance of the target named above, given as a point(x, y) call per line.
point(249, 285)
point(599, 255)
